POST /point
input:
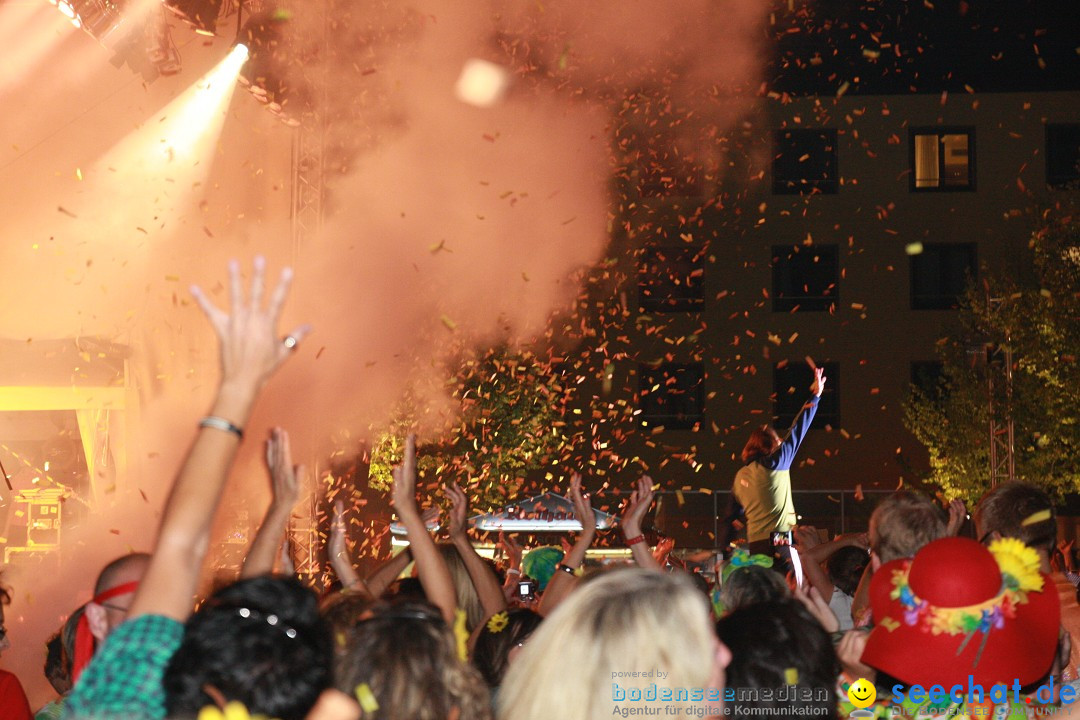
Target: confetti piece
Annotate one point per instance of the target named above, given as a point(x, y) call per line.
point(450, 324)
point(366, 698)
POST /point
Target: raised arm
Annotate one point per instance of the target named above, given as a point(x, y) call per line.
point(284, 487)
point(513, 564)
point(338, 551)
point(388, 572)
point(563, 581)
point(813, 555)
point(640, 501)
point(483, 578)
point(434, 575)
point(786, 454)
point(250, 352)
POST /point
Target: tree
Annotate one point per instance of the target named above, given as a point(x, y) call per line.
point(508, 408)
point(1037, 316)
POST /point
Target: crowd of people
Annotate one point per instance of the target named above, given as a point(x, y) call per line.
point(908, 619)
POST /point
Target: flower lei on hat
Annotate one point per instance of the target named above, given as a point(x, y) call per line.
point(1020, 575)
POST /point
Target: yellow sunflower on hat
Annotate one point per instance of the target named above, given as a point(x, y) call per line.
point(1019, 565)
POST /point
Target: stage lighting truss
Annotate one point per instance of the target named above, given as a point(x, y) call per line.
point(202, 15)
point(273, 72)
point(205, 15)
point(160, 48)
point(100, 18)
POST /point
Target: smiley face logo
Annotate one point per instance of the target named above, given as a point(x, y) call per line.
point(862, 693)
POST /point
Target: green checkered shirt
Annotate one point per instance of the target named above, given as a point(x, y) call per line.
point(124, 678)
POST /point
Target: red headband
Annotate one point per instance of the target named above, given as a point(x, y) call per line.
point(84, 638)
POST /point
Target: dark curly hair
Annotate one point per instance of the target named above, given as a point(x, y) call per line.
point(492, 651)
point(259, 641)
point(777, 644)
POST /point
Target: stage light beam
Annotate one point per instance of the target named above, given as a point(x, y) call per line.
point(156, 170)
point(202, 107)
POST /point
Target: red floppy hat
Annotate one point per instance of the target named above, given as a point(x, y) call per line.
point(959, 609)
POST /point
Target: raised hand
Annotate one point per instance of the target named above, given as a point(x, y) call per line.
point(818, 386)
point(640, 502)
point(957, 516)
point(511, 550)
point(335, 545)
point(284, 476)
point(251, 349)
point(459, 510)
point(582, 505)
point(404, 490)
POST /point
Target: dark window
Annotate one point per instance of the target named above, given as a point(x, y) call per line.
point(804, 277)
point(926, 377)
point(791, 388)
point(804, 161)
point(669, 279)
point(672, 395)
point(943, 159)
point(940, 273)
point(1063, 154)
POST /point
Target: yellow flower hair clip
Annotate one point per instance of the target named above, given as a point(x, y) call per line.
point(498, 622)
point(233, 711)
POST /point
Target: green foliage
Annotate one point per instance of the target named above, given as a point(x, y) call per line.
point(1038, 317)
point(507, 421)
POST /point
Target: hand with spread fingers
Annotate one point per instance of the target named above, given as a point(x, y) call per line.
point(251, 349)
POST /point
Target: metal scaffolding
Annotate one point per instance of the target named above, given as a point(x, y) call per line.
point(308, 195)
point(999, 375)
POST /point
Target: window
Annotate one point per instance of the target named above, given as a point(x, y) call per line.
point(804, 161)
point(940, 273)
point(1062, 154)
point(926, 377)
point(943, 159)
point(804, 277)
point(791, 390)
point(672, 395)
point(669, 279)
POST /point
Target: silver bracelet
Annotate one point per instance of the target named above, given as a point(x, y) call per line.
point(220, 423)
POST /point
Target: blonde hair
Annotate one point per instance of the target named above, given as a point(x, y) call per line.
point(903, 523)
point(464, 589)
point(624, 620)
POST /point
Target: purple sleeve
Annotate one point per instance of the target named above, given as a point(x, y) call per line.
point(786, 454)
